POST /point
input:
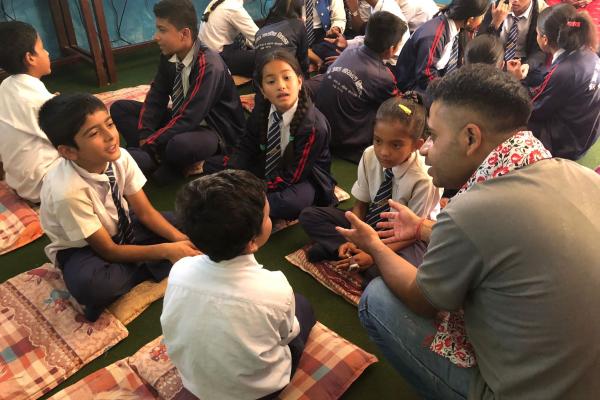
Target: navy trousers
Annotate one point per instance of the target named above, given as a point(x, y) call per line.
point(177, 152)
point(319, 224)
point(289, 202)
point(95, 282)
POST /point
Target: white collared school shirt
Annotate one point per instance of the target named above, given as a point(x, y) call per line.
point(25, 151)
point(227, 327)
point(76, 203)
point(412, 185)
point(228, 20)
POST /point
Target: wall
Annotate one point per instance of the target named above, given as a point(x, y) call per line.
point(134, 17)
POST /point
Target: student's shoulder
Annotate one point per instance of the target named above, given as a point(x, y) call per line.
point(429, 29)
point(369, 159)
point(25, 89)
point(63, 184)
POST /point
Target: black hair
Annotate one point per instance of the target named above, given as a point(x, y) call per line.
point(212, 8)
point(16, 40)
point(462, 10)
point(485, 49)
point(303, 98)
point(284, 9)
point(62, 116)
point(568, 29)
point(384, 30)
point(221, 213)
point(500, 99)
point(407, 110)
point(180, 13)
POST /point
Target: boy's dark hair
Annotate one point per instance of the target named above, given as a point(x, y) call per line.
point(568, 29)
point(407, 110)
point(284, 9)
point(383, 31)
point(485, 49)
point(16, 40)
point(501, 100)
point(221, 213)
point(62, 116)
point(462, 10)
point(180, 13)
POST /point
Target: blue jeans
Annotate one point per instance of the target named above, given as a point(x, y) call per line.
point(400, 335)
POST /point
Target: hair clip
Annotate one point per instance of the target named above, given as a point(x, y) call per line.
point(574, 24)
point(406, 110)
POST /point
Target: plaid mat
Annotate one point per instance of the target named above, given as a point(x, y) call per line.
point(341, 282)
point(138, 93)
point(329, 365)
point(44, 339)
point(19, 224)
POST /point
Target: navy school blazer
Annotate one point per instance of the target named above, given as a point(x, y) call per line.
point(289, 34)
point(566, 107)
point(415, 68)
point(212, 97)
point(352, 90)
point(311, 157)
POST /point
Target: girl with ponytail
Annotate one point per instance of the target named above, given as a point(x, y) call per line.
point(566, 107)
point(228, 29)
point(287, 140)
point(428, 54)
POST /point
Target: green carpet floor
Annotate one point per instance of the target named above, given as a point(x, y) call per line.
point(379, 381)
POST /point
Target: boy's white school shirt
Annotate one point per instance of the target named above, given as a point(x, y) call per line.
point(76, 203)
point(227, 326)
point(412, 185)
point(25, 151)
point(228, 20)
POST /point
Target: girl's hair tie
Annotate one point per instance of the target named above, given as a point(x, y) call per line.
point(574, 24)
point(406, 110)
point(412, 95)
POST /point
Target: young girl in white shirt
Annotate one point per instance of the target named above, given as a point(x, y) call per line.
point(228, 29)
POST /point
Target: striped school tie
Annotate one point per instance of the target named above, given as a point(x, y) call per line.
point(453, 61)
point(510, 50)
point(125, 234)
point(177, 93)
point(310, 33)
point(380, 203)
point(273, 145)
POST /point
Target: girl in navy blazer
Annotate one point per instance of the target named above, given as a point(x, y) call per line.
point(566, 107)
point(296, 162)
point(427, 53)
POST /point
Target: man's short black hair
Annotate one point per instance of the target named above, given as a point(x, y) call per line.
point(62, 116)
point(16, 40)
point(499, 98)
point(180, 13)
point(221, 213)
point(384, 30)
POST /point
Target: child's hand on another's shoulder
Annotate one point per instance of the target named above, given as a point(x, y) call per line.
point(177, 250)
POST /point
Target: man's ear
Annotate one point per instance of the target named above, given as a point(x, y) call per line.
point(474, 138)
point(68, 152)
